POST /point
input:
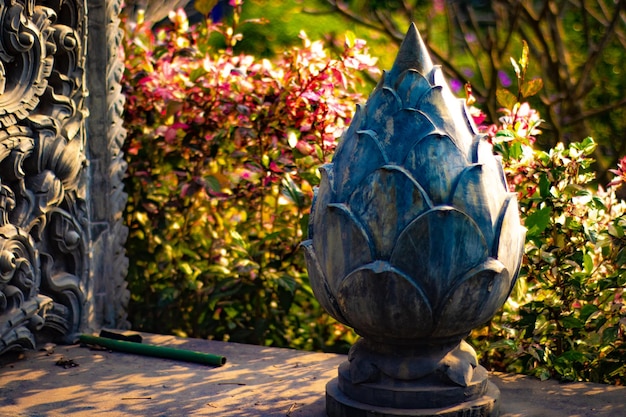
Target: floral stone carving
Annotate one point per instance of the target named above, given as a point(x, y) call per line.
point(43, 212)
point(414, 239)
point(46, 227)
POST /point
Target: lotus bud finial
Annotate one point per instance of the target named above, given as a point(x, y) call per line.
point(414, 237)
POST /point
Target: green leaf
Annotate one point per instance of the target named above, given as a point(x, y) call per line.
point(587, 311)
point(292, 192)
point(516, 67)
point(319, 152)
point(205, 6)
point(570, 322)
point(186, 268)
point(287, 282)
point(304, 226)
point(537, 222)
point(609, 335)
point(523, 61)
point(197, 73)
point(620, 259)
point(588, 145)
point(213, 183)
point(516, 151)
point(532, 87)
point(544, 186)
point(506, 98)
point(350, 39)
point(572, 356)
point(588, 263)
point(616, 230)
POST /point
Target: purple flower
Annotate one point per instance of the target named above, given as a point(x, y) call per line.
point(456, 85)
point(504, 79)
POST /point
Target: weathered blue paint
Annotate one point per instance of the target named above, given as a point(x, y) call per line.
point(414, 236)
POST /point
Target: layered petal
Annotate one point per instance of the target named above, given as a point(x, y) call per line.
point(382, 302)
point(434, 104)
point(341, 244)
point(436, 162)
point(437, 249)
point(411, 87)
point(473, 300)
point(381, 104)
point(359, 155)
point(479, 194)
point(319, 284)
point(510, 237)
point(402, 132)
point(386, 202)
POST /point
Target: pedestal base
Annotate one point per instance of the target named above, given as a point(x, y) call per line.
point(344, 399)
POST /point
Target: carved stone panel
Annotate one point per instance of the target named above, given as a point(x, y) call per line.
point(46, 286)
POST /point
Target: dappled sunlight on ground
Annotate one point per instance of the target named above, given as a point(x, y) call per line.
point(255, 382)
point(524, 396)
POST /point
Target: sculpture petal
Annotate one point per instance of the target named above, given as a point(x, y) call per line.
point(479, 193)
point(437, 249)
point(359, 156)
point(433, 103)
point(321, 198)
point(386, 202)
point(383, 103)
point(411, 87)
point(382, 302)
point(473, 300)
point(456, 106)
point(482, 153)
point(426, 163)
point(319, 285)
point(402, 132)
point(510, 237)
point(341, 244)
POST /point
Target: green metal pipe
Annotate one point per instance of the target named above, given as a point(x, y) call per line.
point(156, 351)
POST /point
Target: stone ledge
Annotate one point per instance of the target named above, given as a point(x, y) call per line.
point(255, 382)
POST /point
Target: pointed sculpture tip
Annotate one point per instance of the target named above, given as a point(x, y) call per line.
point(412, 54)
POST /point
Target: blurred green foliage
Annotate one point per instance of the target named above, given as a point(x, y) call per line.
point(223, 150)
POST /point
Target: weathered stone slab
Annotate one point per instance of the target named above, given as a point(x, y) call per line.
point(255, 382)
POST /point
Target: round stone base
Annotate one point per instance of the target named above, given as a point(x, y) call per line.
point(427, 392)
point(340, 405)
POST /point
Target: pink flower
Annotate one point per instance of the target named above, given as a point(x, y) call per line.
point(620, 173)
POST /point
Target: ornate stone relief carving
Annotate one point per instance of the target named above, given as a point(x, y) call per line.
point(44, 219)
point(108, 264)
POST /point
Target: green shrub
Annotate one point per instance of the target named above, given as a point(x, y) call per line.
point(566, 318)
point(223, 150)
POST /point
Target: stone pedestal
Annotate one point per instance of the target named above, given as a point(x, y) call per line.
point(426, 397)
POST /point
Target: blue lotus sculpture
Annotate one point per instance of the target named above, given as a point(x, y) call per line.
point(414, 237)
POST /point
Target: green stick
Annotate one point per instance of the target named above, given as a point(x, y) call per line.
point(156, 351)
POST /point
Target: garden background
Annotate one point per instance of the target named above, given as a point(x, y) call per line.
point(232, 107)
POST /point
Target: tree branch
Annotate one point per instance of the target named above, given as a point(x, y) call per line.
point(592, 59)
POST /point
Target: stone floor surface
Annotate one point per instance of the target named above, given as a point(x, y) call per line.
point(255, 382)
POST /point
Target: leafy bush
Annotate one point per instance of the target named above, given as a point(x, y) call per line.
point(223, 150)
point(566, 318)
